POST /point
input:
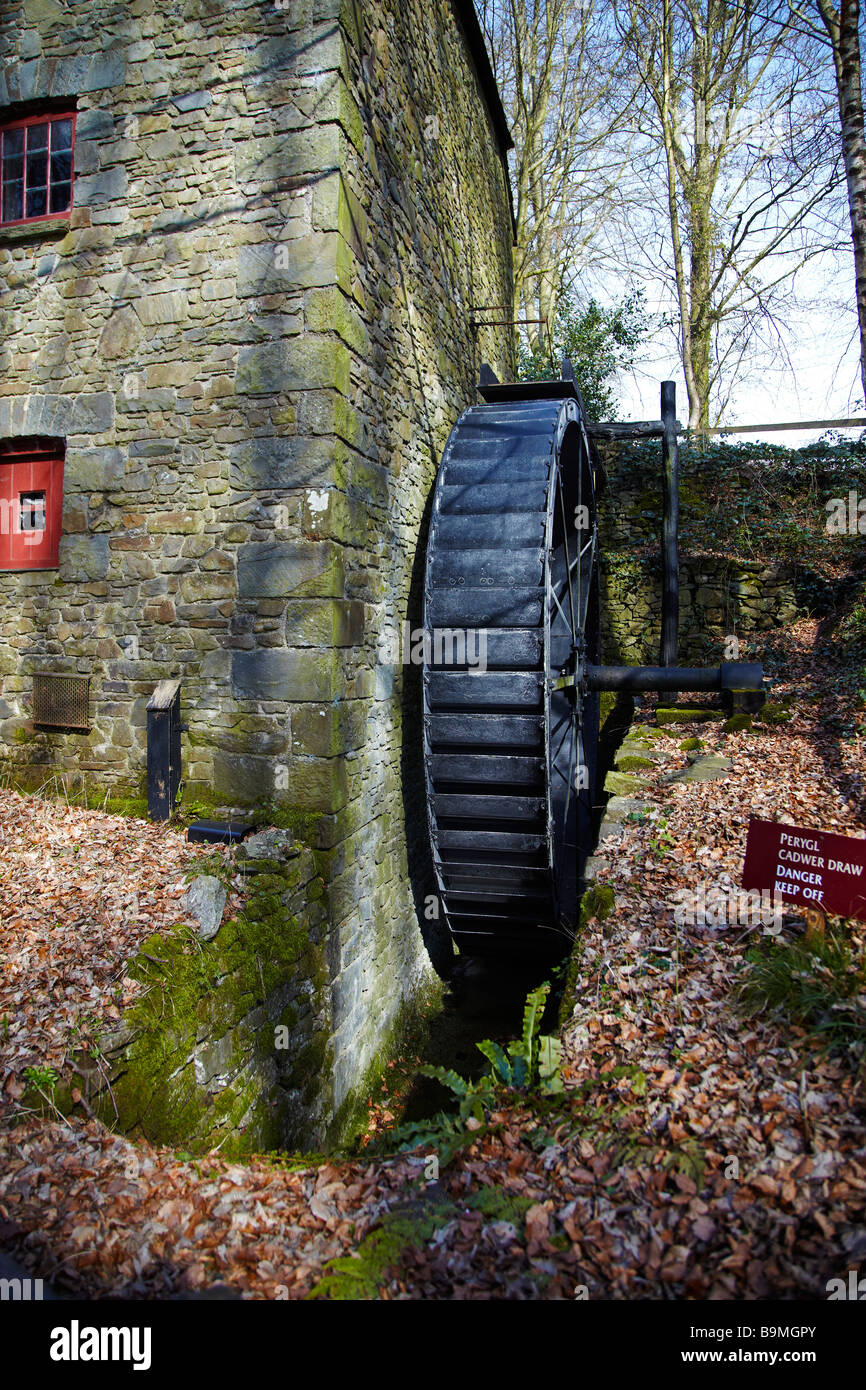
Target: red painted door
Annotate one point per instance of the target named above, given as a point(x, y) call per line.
point(31, 503)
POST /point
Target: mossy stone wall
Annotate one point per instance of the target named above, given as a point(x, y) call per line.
point(254, 333)
point(723, 593)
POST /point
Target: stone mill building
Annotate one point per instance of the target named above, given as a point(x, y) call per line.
point(245, 252)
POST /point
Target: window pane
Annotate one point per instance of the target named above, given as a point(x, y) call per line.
point(32, 511)
point(40, 156)
point(61, 135)
point(37, 168)
point(37, 201)
point(13, 143)
point(13, 196)
point(60, 196)
point(61, 166)
point(37, 137)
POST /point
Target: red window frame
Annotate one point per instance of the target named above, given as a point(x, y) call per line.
point(25, 123)
point(32, 465)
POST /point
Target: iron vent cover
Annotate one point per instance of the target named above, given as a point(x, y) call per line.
point(61, 701)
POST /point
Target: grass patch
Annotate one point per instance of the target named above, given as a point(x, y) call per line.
point(820, 987)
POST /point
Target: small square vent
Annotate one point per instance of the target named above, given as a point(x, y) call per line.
point(61, 701)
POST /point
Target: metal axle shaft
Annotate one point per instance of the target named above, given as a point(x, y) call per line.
point(731, 675)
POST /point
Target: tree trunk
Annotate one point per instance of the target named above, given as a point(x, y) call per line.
point(843, 31)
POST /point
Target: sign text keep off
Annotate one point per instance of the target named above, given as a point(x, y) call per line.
point(810, 867)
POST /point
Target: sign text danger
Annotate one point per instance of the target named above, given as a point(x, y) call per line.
point(811, 867)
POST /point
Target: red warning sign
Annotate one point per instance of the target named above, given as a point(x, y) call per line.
point(810, 867)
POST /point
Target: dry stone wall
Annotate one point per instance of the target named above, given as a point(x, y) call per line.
point(720, 596)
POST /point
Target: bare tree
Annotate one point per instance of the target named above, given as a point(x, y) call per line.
point(555, 63)
point(735, 166)
point(839, 26)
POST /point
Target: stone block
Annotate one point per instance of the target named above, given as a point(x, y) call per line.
point(95, 124)
point(270, 463)
point(83, 558)
point(277, 267)
point(107, 69)
point(273, 158)
point(284, 569)
point(330, 310)
point(317, 731)
point(344, 621)
point(93, 470)
point(45, 14)
point(181, 523)
point(107, 186)
point(271, 843)
point(294, 364)
point(205, 900)
point(207, 587)
point(293, 676)
point(318, 784)
point(170, 307)
point(121, 335)
point(192, 101)
point(242, 779)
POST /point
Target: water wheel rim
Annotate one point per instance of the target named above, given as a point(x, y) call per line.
point(521, 444)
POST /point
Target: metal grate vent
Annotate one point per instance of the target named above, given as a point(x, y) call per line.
point(61, 701)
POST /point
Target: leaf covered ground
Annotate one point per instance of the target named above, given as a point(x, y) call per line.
point(80, 891)
point(703, 1146)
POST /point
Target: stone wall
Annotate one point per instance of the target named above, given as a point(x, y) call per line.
point(254, 333)
point(231, 1043)
point(721, 596)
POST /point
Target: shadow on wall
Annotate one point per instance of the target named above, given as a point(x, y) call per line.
point(422, 878)
point(630, 592)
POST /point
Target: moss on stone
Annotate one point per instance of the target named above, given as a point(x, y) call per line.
point(622, 783)
point(598, 901)
point(302, 822)
point(199, 991)
point(685, 716)
point(408, 1025)
point(737, 723)
point(774, 713)
point(692, 745)
point(633, 763)
point(607, 701)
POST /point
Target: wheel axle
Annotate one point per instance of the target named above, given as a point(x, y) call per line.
point(731, 675)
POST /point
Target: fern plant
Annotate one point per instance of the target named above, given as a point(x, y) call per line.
point(530, 1062)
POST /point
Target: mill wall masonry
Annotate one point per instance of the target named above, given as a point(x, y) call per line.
point(253, 333)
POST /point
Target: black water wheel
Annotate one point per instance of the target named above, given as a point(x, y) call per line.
point(512, 573)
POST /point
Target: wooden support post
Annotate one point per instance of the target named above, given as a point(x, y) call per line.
point(163, 749)
point(670, 532)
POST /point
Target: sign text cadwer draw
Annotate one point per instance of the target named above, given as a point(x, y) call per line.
point(811, 867)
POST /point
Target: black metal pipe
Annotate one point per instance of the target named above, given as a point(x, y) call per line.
point(670, 543)
point(731, 675)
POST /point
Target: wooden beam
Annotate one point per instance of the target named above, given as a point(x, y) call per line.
point(855, 422)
